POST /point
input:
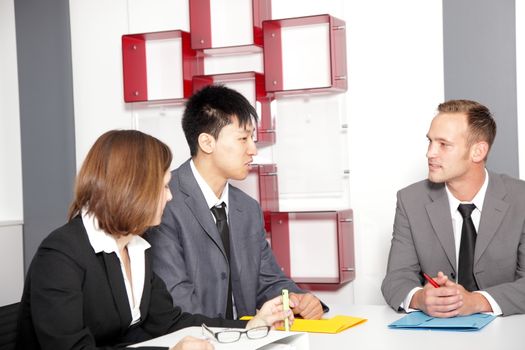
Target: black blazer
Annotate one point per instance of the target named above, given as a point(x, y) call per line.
point(76, 299)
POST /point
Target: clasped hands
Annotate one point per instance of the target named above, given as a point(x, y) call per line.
point(449, 300)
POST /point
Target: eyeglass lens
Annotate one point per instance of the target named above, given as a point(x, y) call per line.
point(230, 336)
point(256, 333)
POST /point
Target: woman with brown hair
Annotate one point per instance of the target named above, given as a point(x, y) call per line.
point(90, 284)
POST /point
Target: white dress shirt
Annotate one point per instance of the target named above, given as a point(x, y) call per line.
point(457, 223)
point(104, 242)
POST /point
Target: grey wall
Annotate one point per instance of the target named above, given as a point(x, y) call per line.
point(46, 116)
point(480, 64)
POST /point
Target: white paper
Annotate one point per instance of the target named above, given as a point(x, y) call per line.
point(275, 340)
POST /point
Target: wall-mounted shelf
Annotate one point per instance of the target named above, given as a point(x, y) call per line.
point(159, 66)
point(317, 42)
point(251, 85)
point(328, 236)
point(212, 34)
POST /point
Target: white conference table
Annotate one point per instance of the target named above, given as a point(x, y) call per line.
point(501, 334)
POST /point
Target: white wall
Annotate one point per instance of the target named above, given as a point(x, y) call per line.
point(394, 54)
point(96, 28)
point(11, 211)
point(10, 152)
point(395, 84)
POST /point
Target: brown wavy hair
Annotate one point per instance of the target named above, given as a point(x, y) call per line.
point(121, 180)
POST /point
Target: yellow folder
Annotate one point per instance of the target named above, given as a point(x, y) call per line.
point(332, 325)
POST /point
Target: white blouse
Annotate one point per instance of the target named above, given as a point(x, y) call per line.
point(102, 241)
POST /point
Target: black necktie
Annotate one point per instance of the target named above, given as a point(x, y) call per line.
point(224, 231)
point(466, 249)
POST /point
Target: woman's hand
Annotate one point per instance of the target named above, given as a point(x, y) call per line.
point(272, 314)
point(191, 343)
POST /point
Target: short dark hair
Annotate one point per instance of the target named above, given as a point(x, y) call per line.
point(481, 124)
point(211, 109)
point(121, 180)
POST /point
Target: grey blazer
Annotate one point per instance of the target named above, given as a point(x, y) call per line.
point(189, 256)
point(423, 241)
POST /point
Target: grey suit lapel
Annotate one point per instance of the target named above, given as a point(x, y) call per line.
point(240, 252)
point(494, 209)
point(236, 222)
point(439, 213)
point(197, 204)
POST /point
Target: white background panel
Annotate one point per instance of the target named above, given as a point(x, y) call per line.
point(223, 14)
point(309, 45)
point(164, 69)
point(314, 241)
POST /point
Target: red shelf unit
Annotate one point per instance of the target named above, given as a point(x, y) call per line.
point(268, 193)
point(288, 71)
point(201, 32)
point(135, 64)
point(265, 134)
point(274, 55)
point(343, 238)
point(268, 186)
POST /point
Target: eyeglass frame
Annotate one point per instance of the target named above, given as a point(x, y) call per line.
point(237, 331)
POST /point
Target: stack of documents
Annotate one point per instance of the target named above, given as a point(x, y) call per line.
point(420, 320)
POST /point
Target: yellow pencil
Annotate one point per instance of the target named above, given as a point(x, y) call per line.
point(286, 306)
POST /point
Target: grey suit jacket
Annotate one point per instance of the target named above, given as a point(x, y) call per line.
point(189, 256)
point(423, 241)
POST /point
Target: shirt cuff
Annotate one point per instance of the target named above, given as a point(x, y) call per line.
point(496, 310)
point(405, 305)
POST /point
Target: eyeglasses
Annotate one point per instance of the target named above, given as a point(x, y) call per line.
point(233, 335)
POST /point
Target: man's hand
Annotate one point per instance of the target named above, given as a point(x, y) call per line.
point(307, 306)
point(472, 302)
point(444, 301)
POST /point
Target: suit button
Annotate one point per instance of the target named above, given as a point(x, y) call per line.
point(223, 275)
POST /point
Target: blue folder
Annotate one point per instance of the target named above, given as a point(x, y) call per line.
point(420, 320)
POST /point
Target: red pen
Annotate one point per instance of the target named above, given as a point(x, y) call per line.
point(430, 280)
